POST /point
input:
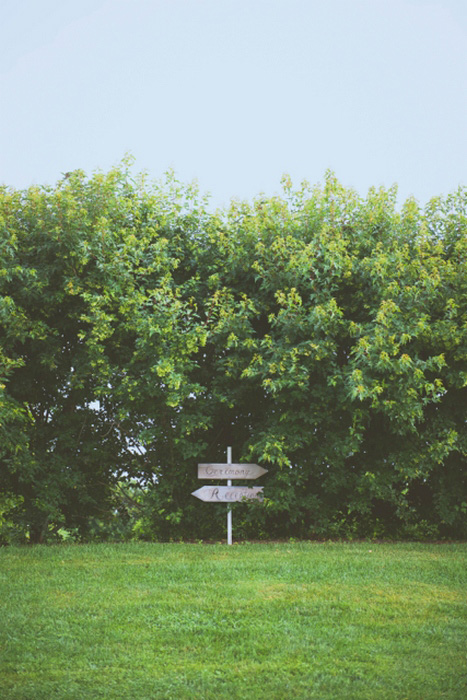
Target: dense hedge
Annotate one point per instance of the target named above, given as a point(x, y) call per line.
point(320, 334)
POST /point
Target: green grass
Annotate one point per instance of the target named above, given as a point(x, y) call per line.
point(276, 621)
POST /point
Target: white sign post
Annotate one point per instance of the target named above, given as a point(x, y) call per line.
point(229, 493)
point(229, 509)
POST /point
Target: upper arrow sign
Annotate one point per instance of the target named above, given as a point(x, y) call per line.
point(230, 471)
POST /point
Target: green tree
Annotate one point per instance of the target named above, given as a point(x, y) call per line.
point(319, 333)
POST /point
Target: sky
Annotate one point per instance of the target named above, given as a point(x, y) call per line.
point(236, 93)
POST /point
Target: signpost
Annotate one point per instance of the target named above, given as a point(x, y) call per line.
point(229, 493)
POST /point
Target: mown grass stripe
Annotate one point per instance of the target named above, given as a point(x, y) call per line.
point(301, 620)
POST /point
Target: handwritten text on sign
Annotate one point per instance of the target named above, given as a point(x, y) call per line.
point(230, 471)
point(228, 494)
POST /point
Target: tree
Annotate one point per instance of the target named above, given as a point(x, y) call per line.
point(319, 333)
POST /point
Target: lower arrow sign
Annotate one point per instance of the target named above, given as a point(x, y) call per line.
point(229, 494)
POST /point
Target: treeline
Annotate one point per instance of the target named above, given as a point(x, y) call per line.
point(319, 334)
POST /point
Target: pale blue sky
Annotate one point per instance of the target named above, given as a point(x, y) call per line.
point(235, 93)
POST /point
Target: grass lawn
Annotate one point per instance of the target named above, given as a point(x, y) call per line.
point(301, 620)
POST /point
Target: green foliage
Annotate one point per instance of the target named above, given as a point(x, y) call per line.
point(318, 333)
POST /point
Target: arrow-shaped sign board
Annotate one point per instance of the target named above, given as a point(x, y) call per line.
point(230, 471)
point(228, 494)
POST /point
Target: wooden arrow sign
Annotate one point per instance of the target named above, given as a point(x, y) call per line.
point(230, 471)
point(228, 494)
